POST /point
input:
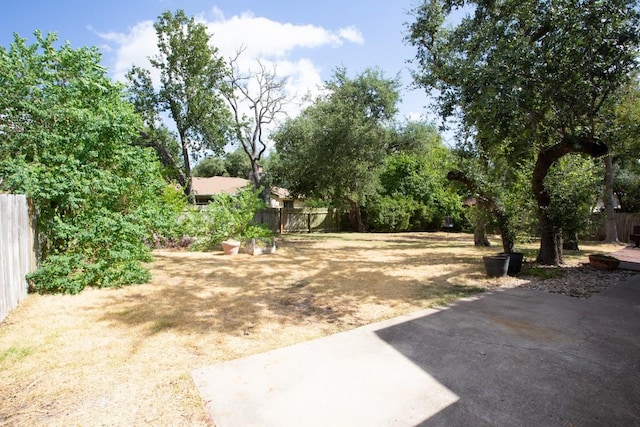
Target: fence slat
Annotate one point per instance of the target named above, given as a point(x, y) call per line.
point(300, 220)
point(16, 251)
point(624, 225)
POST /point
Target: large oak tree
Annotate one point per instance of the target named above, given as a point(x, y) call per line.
point(528, 79)
point(336, 148)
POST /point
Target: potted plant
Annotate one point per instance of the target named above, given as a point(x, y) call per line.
point(230, 247)
point(603, 262)
point(227, 222)
point(259, 246)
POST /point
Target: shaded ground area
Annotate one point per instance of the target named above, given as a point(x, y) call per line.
point(509, 357)
point(123, 357)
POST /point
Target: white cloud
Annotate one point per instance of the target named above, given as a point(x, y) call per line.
point(264, 37)
point(133, 47)
point(261, 38)
point(351, 34)
point(274, 43)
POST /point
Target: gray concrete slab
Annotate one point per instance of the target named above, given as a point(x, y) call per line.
point(511, 357)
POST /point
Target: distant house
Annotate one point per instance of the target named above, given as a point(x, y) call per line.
point(281, 198)
point(599, 207)
point(204, 188)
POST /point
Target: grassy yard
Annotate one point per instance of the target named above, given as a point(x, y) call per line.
point(123, 357)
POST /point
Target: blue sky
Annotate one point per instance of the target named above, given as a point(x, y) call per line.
point(304, 40)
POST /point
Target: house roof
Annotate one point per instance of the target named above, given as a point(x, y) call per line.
point(283, 193)
point(217, 185)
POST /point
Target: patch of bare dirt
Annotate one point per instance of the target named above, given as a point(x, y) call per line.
point(123, 357)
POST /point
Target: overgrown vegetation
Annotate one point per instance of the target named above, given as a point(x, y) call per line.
point(65, 142)
point(226, 217)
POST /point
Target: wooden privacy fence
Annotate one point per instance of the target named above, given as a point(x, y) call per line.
point(17, 257)
point(301, 220)
point(624, 225)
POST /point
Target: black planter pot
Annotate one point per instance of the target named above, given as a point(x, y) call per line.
point(515, 262)
point(496, 265)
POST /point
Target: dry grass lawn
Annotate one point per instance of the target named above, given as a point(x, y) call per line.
point(123, 357)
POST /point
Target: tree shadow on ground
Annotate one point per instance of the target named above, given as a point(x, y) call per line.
point(302, 283)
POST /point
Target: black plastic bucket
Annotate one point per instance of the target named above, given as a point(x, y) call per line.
point(515, 262)
point(496, 265)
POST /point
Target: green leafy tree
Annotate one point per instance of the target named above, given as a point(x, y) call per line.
point(528, 79)
point(415, 137)
point(337, 146)
point(622, 126)
point(191, 87)
point(155, 133)
point(390, 214)
point(65, 142)
point(270, 165)
point(627, 186)
point(420, 175)
point(575, 184)
point(237, 164)
point(497, 193)
point(209, 166)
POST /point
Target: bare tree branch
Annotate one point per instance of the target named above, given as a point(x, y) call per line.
point(257, 99)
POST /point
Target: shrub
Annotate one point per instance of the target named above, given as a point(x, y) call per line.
point(226, 217)
point(66, 136)
point(388, 214)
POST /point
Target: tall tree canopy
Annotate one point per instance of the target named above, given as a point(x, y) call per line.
point(191, 88)
point(65, 141)
point(528, 78)
point(414, 193)
point(234, 163)
point(337, 146)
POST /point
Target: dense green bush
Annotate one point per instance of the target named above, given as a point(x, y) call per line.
point(226, 217)
point(388, 214)
point(401, 213)
point(65, 141)
point(418, 184)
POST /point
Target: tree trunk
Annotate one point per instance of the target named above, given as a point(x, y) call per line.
point(355, 216)
point(506, 233)
point(559, 245)
point(508, 244)
point(571, 244)
point(256, 173)
point(550, 236)
point(488, 203)
point(549, 252)
point(610, 229)
point(480, 234)
point(480, 237)
point(187, 165)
